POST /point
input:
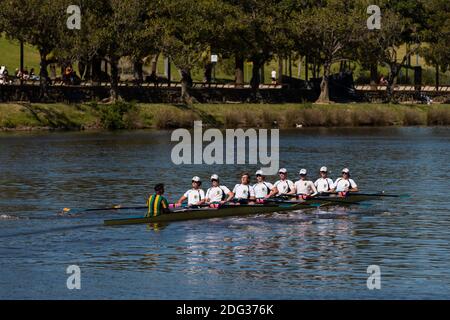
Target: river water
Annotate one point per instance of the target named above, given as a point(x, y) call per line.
point(316, 254)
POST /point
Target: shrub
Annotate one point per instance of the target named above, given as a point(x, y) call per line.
point(117, 116)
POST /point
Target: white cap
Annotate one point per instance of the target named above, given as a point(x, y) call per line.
point(214, 177)
point(282, 170)
point(303, 172)
point(196, 179)
point(345, 170)
point(324, 169)
point(259, 173)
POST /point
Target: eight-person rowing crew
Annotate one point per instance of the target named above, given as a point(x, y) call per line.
point(245, 193)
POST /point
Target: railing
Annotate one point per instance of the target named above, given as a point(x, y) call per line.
point(403, 88)
point(59, 83)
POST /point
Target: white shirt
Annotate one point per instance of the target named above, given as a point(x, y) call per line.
point(194, 196)
point(324, 184)
point(274, 74)
point(262, 189)
point(283, 187)
point(343, 185)
point(243, 191)
point(305, 187)
point(217, 194)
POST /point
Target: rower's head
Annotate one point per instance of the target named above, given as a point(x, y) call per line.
point(215, 180)
point(303, 174)
point(260, 177)
point(345, 173)
point(324, 172)
point(245, 178)
point(282, 173)
point(159, 188)
point(196, 182)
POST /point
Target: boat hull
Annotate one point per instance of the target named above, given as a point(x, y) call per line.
point(208, 213)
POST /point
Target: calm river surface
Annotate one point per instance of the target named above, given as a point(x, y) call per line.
point(317, 254)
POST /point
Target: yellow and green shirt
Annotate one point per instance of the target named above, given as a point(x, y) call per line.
point(156, 203)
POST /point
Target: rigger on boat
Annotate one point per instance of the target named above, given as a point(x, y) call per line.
point(246, 199)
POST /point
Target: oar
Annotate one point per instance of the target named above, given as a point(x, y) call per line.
point(383, 195)
point(117, 207)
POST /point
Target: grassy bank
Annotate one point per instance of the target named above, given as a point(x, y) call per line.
point(94, 116)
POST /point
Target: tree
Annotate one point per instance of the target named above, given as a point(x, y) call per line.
point(112, 29)
point(38, 23)
point(329, 32)
point(402, 26)
point(257, 30)
point(437, 35)
point(187, 29)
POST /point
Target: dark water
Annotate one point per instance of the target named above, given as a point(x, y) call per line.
point(315, 254)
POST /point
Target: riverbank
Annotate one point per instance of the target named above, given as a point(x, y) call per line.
point(93, 116)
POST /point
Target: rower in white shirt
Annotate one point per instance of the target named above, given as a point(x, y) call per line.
point(304, 188)
point(282, 186)
point(217, 193)
point(262, 188)
point(345, 183)
point(324, 184)
point(244, 192)
point(194, 196)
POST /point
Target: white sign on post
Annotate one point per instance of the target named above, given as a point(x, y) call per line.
point(214, 58)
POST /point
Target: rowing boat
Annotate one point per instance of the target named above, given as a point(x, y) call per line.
point(210, 213)
point(270, 206)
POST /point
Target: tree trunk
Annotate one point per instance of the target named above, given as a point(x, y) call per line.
point(138, 67)
point(306, 69)
point(280, 70)
point(373, 74)
point(82, 68)
point(155, 64)
point(96, 69)
point(239, 71)
point(392, 80)
point(437, 78)
point(324, 86)
point(207, 76)
point(186, 85)
point(114, 93)
point(43, 73)
point(256, 79)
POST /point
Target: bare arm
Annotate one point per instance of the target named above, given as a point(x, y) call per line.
point(182, 199)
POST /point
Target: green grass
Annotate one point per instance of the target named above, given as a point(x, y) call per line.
point(168, 116)
point(10, 55)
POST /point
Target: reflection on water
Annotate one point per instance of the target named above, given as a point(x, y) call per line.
point(305, 254)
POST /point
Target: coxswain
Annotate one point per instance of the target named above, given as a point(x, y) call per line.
point(324, 184)
point(194, 196)
point(157, 203)
point(218, 194)
point(244, 193)
point(263, 189)
point(345, 183)
point(304, 188)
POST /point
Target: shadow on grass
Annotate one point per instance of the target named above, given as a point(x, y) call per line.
point(50, 117)
point(204, 116)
